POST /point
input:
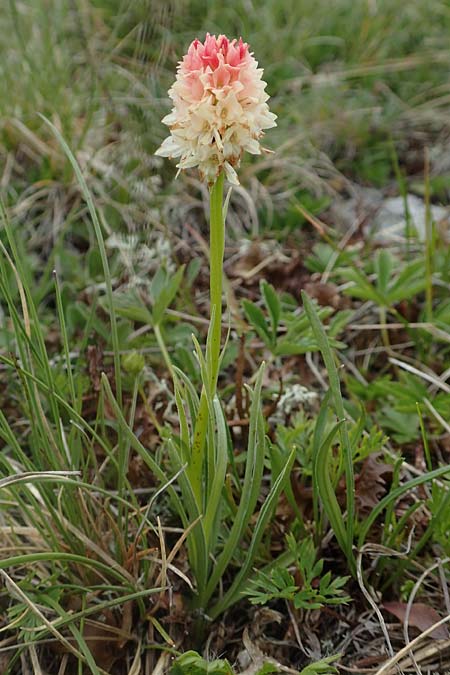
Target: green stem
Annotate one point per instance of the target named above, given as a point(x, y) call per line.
point(384, 330)
point(217, 245)
point(429, 245)
point(163, 349)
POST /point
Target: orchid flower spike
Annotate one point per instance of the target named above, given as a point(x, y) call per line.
point(219, 110)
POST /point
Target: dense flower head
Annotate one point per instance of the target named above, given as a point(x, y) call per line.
point(219, 109)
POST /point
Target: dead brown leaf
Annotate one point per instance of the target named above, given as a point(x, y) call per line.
point(326, 294)
point(421, 616)
point(105, 639)
point(370, 485)
point(103, 644)
point(95, 365)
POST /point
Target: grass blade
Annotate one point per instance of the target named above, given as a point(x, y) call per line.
point(233, 592)
point(394, 495)
point(335, 387)
point(250, 490)
point(325, 488)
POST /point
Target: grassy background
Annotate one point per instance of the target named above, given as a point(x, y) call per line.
point(345, 79)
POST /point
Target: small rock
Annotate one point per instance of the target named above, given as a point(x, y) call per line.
point(389, 224)
point(384, 220)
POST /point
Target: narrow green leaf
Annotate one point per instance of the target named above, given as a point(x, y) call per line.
point(325, 488)
point(257, 319)
point(130, 306)
point(250, 490)
point(219, 473)
point(198, 556)
point(383, 267)
point(184, 427)
point(362, 288)
point(234, 592)
point(319, 432)
point(273, 305)
point(394, 495)
point(203, 367)
point(190, 394)
point(335, 387)
point(142, 451)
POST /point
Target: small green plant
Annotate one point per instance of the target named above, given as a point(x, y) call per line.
point(297, 336)
point(322, 667)
point(306, 588)
point(323, 488)
point(191, 663)
point(200, 454)
point(343, 528)
point(397, 400)
point(392, 283)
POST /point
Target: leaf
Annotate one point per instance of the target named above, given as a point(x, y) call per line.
point(165, 293)
point(345, 533)
point(338, 322)
point(362, 288)
point(409, 282)
point(233, 593)
point(214, 500)
point(250, 488)
point(257, 319)
point(191, 663)
point(322, 667)
point(370, 483)
point(267, 668)
point(272, 303)
point(280, 584)
point(316, 590)
point(303, 345)
point(325, 489)
point(394, 495)
point(192, 271)
point(131, 306)
point(421, 616)
point(383, 267)
point(404, 427)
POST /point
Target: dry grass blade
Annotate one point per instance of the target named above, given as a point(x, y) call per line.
point(135, 668)
point(435, 649)
point(161, 665)
point(437, 415)
point(35, 661)
point(174, 551)
point(23, 299)
point(38, 476)
point(420, 373)
point(99, 551)
point(370, 548)
point(390, 666)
